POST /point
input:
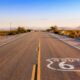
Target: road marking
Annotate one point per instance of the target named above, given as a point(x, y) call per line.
point(64, 64)
point(39, 67)
point(33, 72)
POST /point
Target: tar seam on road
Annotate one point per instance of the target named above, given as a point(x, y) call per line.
point(34, 72)
point(39, 67)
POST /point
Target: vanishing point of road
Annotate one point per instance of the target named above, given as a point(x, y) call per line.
point(38, 56)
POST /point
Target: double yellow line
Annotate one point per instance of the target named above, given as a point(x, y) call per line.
point(38, 67)
point(33, 72)
point(39, 62)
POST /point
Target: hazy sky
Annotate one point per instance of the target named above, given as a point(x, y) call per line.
point(39, 13)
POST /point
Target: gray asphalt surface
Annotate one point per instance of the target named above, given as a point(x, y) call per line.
point(18, 57)
point(54, 48)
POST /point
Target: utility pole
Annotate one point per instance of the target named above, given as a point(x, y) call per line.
point(10, 26)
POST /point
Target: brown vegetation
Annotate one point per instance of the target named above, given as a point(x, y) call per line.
point(70, 33)
point(13, 32)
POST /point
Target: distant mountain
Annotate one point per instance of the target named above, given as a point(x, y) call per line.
point(7, 28)
point(68, 28)
point(78, 28)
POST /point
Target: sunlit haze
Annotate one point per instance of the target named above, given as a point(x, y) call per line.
point(39, 14)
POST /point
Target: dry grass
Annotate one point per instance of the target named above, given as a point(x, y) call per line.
point(14, 32)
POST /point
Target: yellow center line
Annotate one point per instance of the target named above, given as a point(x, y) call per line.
point(33, 72)
point(39, 67)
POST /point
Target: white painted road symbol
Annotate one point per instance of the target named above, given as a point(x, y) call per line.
point(64, 64)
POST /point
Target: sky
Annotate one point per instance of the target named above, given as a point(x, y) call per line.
point(39, 14)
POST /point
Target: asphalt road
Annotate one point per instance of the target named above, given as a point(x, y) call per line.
point(52, 48)
point(18, 56)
